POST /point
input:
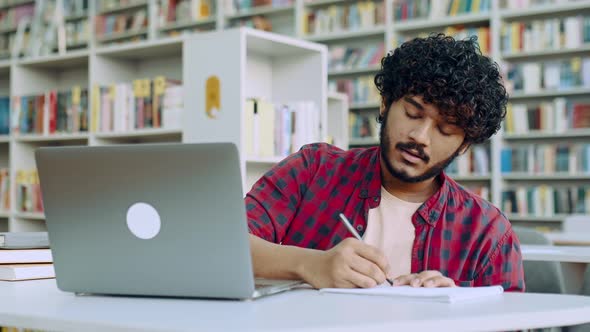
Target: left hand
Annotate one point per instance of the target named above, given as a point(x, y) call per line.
point(429, 278)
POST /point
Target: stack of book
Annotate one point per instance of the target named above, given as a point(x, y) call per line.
point(145, 103)
point(52, 112)
point(427, 9)
point(28, 192)
point(346, 17)
point(25, 256)
point(532, 77)
point(344, 57)
point(277, 130)
point(556, 116)
point(360, 90)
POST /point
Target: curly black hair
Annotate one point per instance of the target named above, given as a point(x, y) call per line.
point(453, 75)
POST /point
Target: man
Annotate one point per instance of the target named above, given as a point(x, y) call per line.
point(419, 227)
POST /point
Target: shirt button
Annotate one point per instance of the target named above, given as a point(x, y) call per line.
point(376, 199)
point(359, 228)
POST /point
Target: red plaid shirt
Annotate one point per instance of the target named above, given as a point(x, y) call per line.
point(457, 233)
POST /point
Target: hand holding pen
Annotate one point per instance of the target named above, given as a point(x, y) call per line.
point(356, 235)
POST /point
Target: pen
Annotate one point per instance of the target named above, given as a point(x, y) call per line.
point(358, 237)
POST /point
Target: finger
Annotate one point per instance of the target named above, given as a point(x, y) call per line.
point(344, 284)
point(424, 275)
point(374, 255)
point(367, 268)
point(439, 281)
point(404, 280)
point(360, 280)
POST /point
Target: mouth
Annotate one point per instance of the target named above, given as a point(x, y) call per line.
point(411, 157)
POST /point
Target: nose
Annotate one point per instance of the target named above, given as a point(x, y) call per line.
point(420, 133)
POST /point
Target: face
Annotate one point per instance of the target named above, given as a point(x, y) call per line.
point(416, 142)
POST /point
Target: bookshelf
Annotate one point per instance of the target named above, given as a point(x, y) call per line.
point(103, 57)
point(279, 57)
point(251, 64)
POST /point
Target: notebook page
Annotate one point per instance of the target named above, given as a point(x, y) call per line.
point(442, 294)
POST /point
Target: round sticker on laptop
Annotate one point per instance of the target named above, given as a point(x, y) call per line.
point(143, 220)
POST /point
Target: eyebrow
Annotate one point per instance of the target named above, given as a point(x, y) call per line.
point(415, 103)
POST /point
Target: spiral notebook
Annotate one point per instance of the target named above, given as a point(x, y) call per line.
point(445, 295)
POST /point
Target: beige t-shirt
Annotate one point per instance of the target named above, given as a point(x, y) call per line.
point(390, 228)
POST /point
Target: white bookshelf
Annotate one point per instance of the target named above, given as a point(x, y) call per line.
point(249, 64)
point(283, 61)
point(159, 54)
point(503, 181)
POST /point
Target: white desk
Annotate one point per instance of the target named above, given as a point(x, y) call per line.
point(573, 261)
point(39, 304)
point(569, 239)
point(556, 253)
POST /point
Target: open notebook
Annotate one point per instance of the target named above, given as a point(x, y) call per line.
point(446, 294)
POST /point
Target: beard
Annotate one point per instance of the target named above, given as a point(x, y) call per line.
point(385, 145)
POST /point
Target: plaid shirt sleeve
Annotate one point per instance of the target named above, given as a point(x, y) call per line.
point(274, 199)
point(504, 266)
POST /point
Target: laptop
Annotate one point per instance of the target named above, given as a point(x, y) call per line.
point(150, 220)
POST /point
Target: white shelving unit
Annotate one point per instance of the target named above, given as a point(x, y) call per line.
point(269, 65)
point(510, 180)
point(104, 64)
point(249, 64)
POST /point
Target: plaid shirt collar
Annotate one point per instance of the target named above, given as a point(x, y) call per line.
point(430, 211)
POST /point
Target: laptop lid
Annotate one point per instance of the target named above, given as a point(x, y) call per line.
point(150, 219)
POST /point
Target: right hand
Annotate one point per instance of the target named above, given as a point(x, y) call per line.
point(350, 264)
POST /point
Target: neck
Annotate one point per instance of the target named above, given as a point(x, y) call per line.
point(411, 192)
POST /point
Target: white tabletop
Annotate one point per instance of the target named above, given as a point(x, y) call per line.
point(556, 253)
point(570, 239)
point(39, 304)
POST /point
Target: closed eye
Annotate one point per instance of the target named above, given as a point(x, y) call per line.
point(411, 116)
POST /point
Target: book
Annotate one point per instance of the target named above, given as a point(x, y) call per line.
point(442, 294)
point(26, 272)
point(24, 240)
point(23, 256)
